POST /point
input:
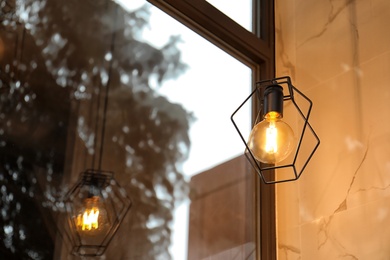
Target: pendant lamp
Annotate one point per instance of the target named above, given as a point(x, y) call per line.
point(282, 141)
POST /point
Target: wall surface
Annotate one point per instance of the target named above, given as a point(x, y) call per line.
point(221, 213)
point(338, 54)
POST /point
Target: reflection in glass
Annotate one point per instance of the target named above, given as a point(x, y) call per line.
point(166, 111)
point(209, 89)
point(91, 217)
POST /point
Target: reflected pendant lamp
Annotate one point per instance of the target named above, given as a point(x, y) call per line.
point(280, 144)
point(96, 205)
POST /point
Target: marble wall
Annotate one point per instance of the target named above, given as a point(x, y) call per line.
point(338, 54)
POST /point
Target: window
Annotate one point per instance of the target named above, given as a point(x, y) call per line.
point(57, 59)
point(240, 12)
point(254, 49)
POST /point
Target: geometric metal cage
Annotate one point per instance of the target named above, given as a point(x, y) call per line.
point(96, 205)
point(113, 203)
point(300, 105)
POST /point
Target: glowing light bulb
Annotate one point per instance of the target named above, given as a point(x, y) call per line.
point(92, 219)
point(89, 220)
point(272, 140)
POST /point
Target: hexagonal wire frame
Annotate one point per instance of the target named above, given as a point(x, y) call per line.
point(262, 169)
point(116, 201)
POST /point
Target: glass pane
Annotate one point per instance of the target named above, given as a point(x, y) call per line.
point(126, 90)
point(210, 89)
point(239, 11)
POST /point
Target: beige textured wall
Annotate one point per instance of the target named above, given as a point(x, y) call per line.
point(338, 54)
point(221, 223)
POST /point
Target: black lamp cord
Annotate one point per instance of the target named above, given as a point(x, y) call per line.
point(112, 48)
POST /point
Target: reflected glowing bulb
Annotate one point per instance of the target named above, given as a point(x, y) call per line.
point(272, 140)
point(92, 219)
point(89, 220)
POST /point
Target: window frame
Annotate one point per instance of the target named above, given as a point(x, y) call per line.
point(257, 51)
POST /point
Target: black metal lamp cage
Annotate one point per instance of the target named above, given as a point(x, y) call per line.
point(269, 95)
point(95, 189)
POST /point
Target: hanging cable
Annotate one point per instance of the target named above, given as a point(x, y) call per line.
point(112, 49)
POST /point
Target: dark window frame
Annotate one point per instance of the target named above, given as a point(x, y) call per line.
point(257, 51)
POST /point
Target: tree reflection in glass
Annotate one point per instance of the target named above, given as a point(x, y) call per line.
point(54, 66)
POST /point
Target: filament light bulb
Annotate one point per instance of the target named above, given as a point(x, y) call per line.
point(92, 219)
point(272, 140)
point(89, 220)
